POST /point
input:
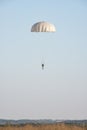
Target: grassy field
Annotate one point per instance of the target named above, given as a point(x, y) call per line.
point(42, 127)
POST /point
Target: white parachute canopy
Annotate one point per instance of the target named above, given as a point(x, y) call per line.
point(43, 27)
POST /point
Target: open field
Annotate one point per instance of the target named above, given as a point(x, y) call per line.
point(59, 126)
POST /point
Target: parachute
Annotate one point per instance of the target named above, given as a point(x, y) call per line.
point(43, 27)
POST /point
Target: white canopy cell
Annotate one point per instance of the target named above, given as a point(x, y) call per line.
point(43, 27)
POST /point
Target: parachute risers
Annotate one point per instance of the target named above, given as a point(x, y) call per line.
point(43, 27)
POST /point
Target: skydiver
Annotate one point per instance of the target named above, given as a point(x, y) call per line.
point(42, 66)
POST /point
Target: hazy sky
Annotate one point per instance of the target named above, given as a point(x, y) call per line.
point(58, 92)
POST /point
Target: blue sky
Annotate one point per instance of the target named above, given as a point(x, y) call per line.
point(58, 92)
